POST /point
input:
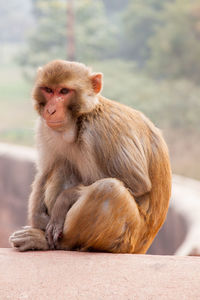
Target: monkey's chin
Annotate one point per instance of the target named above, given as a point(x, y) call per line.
point(56, 125)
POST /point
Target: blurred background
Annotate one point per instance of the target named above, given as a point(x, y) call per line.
point(148, 50)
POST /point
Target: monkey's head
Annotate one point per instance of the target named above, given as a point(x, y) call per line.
point(63, 90)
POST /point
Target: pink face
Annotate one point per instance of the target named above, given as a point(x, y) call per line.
point(57, 99)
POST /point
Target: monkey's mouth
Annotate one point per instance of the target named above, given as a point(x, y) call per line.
point(55, 123)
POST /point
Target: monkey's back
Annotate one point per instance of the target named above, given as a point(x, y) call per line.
point(126, 143)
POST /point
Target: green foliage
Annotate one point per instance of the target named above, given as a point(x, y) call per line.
point(15, 135)
point(16, 112)
point(94, 34)
point(49, 38)
point(115, 6)
point(170, 104)
point(161, 36)
point(140, 21)
point(175, 47)
point(12, 85)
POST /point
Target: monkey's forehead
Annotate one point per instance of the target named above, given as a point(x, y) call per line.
point(59, 70)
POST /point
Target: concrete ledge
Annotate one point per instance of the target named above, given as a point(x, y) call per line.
point(77, 275)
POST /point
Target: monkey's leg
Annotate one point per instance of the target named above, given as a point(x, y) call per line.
point(54, 229)
point(105, 218)
point(29, 238)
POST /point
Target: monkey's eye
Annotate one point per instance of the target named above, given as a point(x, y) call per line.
point(48, 90)
point(42, 104)
point(64, 91)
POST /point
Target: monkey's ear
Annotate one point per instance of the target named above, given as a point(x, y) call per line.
point(97, 82)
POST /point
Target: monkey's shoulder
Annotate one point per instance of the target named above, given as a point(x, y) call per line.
point(114, 129)
point(114, 119)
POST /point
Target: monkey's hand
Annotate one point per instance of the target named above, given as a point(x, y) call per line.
point(54, 231)
point(29, 238)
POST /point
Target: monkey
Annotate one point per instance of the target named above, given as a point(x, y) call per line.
point(103, 179)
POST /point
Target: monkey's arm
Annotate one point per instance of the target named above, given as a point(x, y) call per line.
point(63, 203)
point(129, 163)
point(37, 211)
point(133, 170)
point(122, 145)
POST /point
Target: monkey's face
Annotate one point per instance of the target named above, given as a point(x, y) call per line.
point(57, 101)
point(65, 90)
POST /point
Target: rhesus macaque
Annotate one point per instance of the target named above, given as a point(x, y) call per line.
point(104, 178)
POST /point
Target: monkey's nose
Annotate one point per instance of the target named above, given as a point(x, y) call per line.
point(51, 110)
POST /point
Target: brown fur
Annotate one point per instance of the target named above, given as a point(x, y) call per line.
point(103, 182)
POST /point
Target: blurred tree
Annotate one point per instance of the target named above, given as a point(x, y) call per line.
point(70, 30)
point(140, 20)
point(49, 38)
point(115, 6)
point(95, 35)
point(175, 47)
point(170, 104)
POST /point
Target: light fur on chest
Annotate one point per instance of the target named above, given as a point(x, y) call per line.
point(82, 159)
point(80, 155)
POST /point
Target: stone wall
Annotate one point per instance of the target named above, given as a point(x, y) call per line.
point(180, 233)
point(16, 175)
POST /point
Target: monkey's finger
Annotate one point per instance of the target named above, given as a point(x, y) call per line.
point(18, 234)
point(16, 238)
point(26, 227)
point(25, 247)
point(23, 244)
point(22, 233)
point(17, 242)
point(57, 236)
point(48, 227)
point(49, 236)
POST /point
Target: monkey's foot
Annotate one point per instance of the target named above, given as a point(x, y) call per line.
point(29, 238)
point(54, 233)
